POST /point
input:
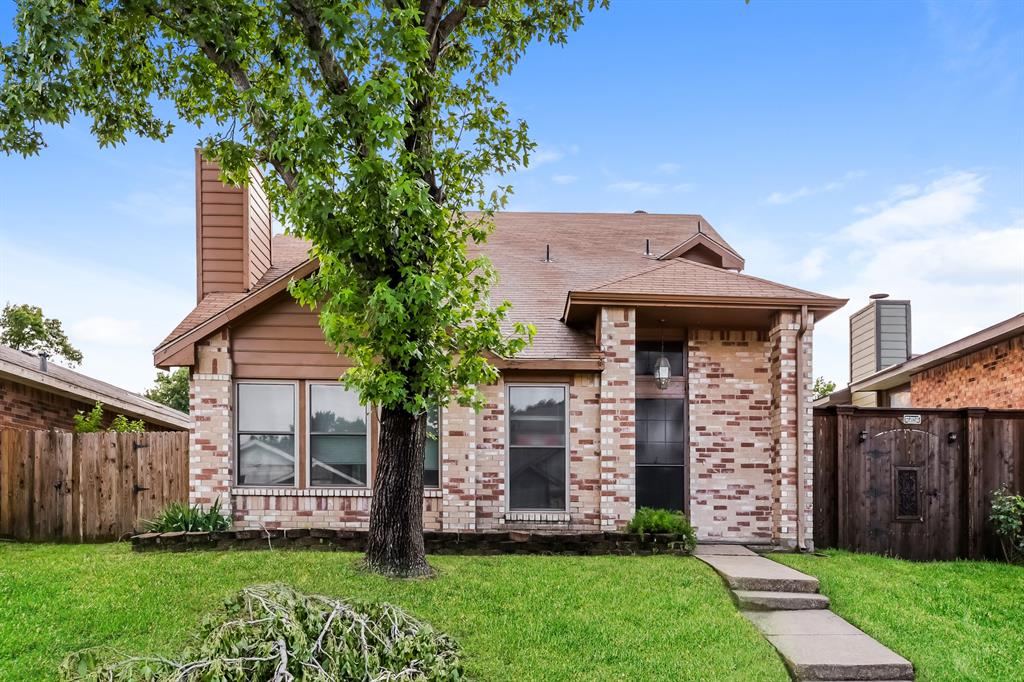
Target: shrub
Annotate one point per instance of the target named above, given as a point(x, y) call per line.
point(178, 516)
point(272, 632)
point(92, 422)
point(1007, 518)
point(647, 520)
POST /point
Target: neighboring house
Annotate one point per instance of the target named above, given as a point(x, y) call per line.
point(35, 395)
point(984, 369)
point(574, 437)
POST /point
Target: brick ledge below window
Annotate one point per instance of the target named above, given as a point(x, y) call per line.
point(316, 492)
point(537, 517)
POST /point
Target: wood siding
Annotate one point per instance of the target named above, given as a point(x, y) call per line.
point(233, 232)
point(863, 360)
point(893, 325)
point(283, 341)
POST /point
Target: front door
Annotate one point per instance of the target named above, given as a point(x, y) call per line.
point(661, 442)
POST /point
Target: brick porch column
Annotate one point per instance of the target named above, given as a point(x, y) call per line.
point(210, 403)
point(618, 417)
point(786, 418)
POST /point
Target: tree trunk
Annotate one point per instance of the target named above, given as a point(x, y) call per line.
point(394, 545)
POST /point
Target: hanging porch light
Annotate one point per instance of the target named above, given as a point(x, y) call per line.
point(662, 367)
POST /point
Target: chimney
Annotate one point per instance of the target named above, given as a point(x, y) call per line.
point(42, 361)
point(233, 230)
point(879, 336)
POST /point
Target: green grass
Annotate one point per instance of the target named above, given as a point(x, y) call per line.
point(517, 617)
point(955, 620)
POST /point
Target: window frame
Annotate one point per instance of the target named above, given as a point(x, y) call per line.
point(440, 430)
point(508, 448)
point(238, 432)
point(308, 458)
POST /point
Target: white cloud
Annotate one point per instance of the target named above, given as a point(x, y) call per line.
point(668, 168)
point(541, 156)
point(155, 208)
point(944, 202)
point(925, 245)
point(114, 316)
point(563, 179)
point(108, 330)
point(641, 188)
point(779, 198)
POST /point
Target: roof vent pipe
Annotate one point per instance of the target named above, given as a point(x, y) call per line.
point(42, 362)
point(547, 253)
point(647, 247)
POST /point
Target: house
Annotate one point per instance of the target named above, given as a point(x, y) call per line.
point(984, 369)
point(578, 432)
point(36, 394)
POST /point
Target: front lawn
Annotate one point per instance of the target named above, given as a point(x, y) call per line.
point(517, 617)
point(955, 620)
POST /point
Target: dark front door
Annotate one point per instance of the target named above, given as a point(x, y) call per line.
point(661, 442)
point(660, 453)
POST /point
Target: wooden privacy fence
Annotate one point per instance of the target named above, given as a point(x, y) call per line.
point(913, 483)
point(84, 487)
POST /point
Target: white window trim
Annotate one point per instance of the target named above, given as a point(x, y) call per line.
point(235, 430)
point(308, 459)
point(508, 448)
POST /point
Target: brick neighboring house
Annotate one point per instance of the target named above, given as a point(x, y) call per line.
point(984, 369)
point(37, 395)
point(576, 434)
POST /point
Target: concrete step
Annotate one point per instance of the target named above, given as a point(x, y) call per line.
point(755, 573)
point(779, 601)
point(818, 646)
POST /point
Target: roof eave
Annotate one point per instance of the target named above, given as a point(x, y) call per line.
point(169, 419)
point(181, 348)
point(820, 306)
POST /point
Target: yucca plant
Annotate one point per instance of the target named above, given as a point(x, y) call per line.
point(178, 516)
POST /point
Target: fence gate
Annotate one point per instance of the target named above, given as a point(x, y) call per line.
point(912, 483)
point(58, 486)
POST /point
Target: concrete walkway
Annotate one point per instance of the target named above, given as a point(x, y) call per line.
point(784, 604)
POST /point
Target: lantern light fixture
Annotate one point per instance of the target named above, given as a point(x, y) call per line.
point(662, 367)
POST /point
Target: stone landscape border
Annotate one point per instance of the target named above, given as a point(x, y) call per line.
point(489, 543)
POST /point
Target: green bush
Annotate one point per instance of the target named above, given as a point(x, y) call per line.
point(1007, 518)
point(178, 516)
point(92, 422)
point(272, 632)
point(647, 520)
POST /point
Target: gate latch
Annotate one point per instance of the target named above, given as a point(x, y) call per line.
point(138, 488)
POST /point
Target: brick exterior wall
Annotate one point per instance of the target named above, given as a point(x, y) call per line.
point(786, 418)
point(30, 408)
point(992, 377)
point(731, 470)
point(617, 332)
point(743, 420)
point(210, 461)
point(34, 409)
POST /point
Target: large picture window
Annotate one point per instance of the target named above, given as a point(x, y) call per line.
point(337, 437)
point(432, 449)
point(266, 434)
point(537, 447)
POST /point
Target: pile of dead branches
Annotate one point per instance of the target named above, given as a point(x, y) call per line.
point(272, 632)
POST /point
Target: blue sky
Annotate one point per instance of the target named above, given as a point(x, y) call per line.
point(842, 147)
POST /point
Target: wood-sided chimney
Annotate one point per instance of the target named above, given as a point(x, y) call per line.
point(233, 232)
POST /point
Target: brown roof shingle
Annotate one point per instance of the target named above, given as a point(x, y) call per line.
point(589, 252)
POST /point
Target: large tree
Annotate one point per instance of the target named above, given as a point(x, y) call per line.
point(171, 389)
point(24, 327)
point(381, 126)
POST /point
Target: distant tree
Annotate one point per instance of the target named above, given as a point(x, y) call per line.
point(171, 389)
point(823, 388)
point(24, 327)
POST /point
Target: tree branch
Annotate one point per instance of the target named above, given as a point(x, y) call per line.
point(335, 79)
point(456, 17)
